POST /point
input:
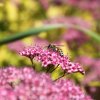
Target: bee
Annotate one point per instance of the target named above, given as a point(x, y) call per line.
point(54, 48)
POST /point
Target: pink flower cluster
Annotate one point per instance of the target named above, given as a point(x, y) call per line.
point(94, 68)
point(25, 84)
point(31, 52)
point(48, 57)
point(16, 46)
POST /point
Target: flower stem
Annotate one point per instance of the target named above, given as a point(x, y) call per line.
point(60, 77)
point(48, 70)
point(32, 63)
point(54, 68)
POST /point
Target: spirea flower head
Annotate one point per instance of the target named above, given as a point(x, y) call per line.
point(31, 52)
point(25, 84)
point(49, 57)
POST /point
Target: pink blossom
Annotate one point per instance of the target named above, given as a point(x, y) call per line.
point(49, 57)
point(93, 74)
point(16, 46)
point(85, 60)
point(31, 52)
point(30, 85)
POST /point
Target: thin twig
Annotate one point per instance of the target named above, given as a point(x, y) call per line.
point(54, 68)
point(48, 69)
point(32, 63)
point(60, 77)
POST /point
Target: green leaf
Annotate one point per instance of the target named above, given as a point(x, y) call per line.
point(35, 31)
point(30, 32)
